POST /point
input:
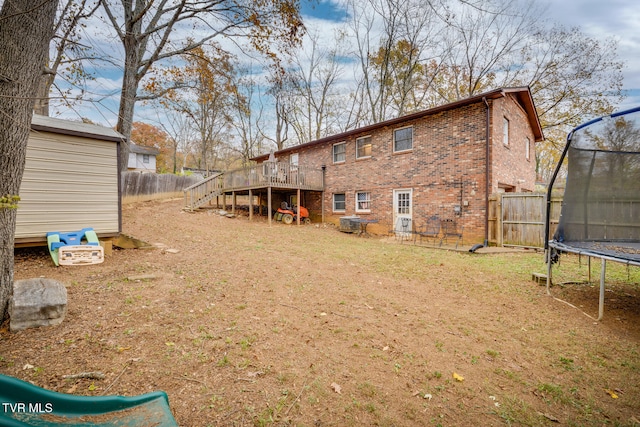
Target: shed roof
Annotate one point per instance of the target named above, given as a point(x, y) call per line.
point(68, 127)
point(521, 94)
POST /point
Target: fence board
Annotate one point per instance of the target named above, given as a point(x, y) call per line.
point(518, 219)
point(141, 186)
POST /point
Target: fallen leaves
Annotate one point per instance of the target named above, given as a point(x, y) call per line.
point(336, 387)
point(611, 393)
point(458, 377)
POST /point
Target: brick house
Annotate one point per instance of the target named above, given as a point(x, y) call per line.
point(445, 162)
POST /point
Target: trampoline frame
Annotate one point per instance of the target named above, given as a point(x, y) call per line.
point(564, 247)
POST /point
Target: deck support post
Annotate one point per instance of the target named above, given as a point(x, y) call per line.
point(299, 204)
point(269, 202)
point(250, 205)
point(233, 202)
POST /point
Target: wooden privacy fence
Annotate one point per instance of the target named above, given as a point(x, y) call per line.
point(138, 186)
point(518, 219)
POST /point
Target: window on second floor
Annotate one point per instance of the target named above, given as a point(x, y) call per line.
point(145, 158)
point(293, 159)
point(505, 131)
point(402, 139)
point(339, 202)
point(339, 152)
point(363, 201)
point(363, 147)
point(527, 148)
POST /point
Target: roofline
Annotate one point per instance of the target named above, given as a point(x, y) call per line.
point(143, 149)
point(68, 127)
point(525, 99)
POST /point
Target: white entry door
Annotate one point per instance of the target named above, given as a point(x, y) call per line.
point(402, 212)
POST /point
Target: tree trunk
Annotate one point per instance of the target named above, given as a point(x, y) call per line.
point(130, 83)
point(26, 29)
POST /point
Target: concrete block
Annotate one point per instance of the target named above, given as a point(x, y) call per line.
point(37, 302)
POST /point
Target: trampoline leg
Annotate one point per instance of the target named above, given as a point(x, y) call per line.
point(548, 271)
point(601, 302)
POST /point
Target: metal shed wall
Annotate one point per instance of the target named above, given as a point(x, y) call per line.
point(70, 182)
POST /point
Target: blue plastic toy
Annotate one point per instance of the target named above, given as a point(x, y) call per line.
point(76, 247)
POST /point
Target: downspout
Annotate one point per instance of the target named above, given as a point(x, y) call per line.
point(487, 187)
point(486, 175)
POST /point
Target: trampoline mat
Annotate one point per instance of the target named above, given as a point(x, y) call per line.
point(623, 251)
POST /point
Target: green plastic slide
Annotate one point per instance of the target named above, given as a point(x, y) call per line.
point(24, 404)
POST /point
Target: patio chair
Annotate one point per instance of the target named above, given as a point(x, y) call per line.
point(431, 230)
point(451, 229)
point(403, 229)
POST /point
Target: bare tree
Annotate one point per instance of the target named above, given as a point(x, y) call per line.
point(314, 88)
point(181, 137)
point(394, 77)
point(246, 115)
point(26, 30)
point(280, 87)
point(145, 28)
point(69, 52)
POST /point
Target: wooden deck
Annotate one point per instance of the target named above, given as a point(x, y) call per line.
point(267, 175)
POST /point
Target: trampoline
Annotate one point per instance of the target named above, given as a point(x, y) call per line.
point(600, 213)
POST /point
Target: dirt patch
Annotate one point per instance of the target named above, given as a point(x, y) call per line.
point(243, 323)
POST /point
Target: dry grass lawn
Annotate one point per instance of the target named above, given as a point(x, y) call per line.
point(243, 323)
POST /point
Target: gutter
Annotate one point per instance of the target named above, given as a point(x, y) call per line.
point(486, 181)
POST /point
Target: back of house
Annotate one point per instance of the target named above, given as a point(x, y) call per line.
point(444, 162)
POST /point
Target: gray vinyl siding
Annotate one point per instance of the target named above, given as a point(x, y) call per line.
point(69, 183)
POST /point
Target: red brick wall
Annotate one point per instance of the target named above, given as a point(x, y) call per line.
point(510, 166)
point(445, 168)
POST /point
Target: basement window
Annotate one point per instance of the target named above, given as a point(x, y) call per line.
point(339, 202)
point(363, 201)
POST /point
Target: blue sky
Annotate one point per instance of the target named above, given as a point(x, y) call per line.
point(598, 19)
point(612, 18)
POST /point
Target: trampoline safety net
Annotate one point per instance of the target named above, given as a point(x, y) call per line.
point(600, 211)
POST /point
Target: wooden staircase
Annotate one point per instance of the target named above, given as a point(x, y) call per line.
point(202, 192)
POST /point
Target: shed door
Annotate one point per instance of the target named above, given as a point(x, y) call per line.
point(402, 211)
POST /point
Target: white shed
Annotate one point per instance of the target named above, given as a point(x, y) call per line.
point(71, 180)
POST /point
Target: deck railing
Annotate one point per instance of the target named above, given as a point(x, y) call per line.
point(276, 174)
point(201, 192)
point(267, 174)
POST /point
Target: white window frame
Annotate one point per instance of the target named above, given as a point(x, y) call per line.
point(344, 202)
point(395, 142)
point(366, 202)
point(527, 147)
point(505, 131)
point(344, 153)
point(358, 140)
point(146, 158)
point(293, 159)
